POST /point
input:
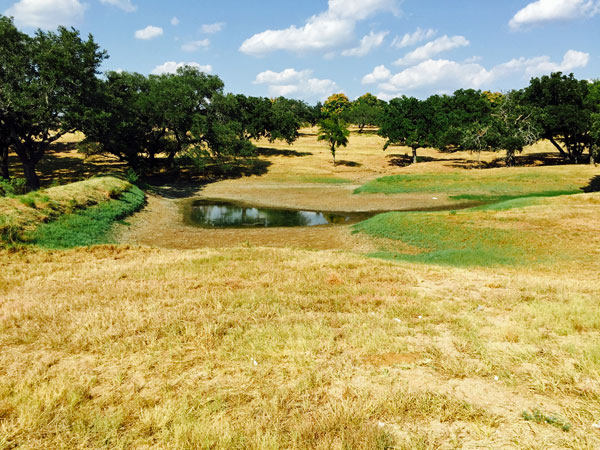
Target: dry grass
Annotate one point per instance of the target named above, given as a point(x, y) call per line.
point(117, 347)
point(250, 347)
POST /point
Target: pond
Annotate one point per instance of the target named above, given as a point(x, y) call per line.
point(222, 214)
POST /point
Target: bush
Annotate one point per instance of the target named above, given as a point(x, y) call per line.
point(16, 186)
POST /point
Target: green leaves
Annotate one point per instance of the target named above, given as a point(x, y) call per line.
point(46, 80)
point(562, 111)
point(335, 132)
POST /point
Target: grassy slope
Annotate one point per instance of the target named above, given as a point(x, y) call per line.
point(90, 226)
point(39, 215)
point(486, 185)
point(518, 232)
point(275, 348)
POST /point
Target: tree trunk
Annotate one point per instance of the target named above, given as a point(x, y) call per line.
point(333, 153)
point(510, 158)
point(415, 159)
point(558, 147)
point(33, 181)
point(4, 164)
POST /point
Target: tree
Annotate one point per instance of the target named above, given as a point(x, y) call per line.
point(365, 110)
point(459, 113)
point(562, 112)
point(594, 104)
point(511, 128)
point(136, 118)
point(336, 105)
point(335, 132)
point(13, 53)
point(176, 99)
point(118, 123)
point(410, 122)
point(46, 86)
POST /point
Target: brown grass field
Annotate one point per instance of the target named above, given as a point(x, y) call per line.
point(184, 338)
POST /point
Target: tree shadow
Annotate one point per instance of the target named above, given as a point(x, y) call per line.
point(593, 186)
point(529, 160)
point(62, 164)
point(400, 160)
point(278, 152)
point(186, 181)
point(348, 163)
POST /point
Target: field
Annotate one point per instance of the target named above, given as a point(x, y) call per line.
point(439, 328)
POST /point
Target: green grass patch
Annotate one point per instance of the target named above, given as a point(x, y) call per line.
point(86, 227)
point(503, 202)
point(448, 238)
point(539, 417)
point(482, 185)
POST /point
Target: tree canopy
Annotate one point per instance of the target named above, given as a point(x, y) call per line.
point(335, 131)
point(46, 84)
point(562, 112)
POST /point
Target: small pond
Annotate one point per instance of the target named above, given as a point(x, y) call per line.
point(221, 214)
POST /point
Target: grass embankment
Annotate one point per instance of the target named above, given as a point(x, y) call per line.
point(66, 216)
point(490, 185)
point(259, 348)
point(516, 232)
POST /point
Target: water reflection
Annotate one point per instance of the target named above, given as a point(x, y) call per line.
point(218, 214)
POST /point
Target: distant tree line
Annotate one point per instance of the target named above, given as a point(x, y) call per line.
point(50, 85)
point(558, 107)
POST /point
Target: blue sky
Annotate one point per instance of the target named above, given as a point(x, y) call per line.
point(314, 48)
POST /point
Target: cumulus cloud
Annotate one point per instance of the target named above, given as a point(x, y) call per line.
point(174, 21)
point(433, 48)
point(125, 5)
point(379, 74)
point(367, 43)
point(212, 28)
point(552, 10)
point(329, 29)
point(193, 46)
point(410, 39)
point(172, 66)
point(446, 75)
point(150, 32)
point(294, 83)
point(46, 14)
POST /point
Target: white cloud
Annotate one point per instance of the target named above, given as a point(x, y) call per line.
point(149, 32)
point(212, 28)
point(379, 74)
point(446, 75)
point(174, 21)
point(413, 38)
point(433, 48)
point(572, 60)
point(294, 83)
point(552, 10)
point(284, 77)
point(329, 29)
point(172, 66)
point(367, 43)
point(125, 5)
point(46, 14)
point(193, 46)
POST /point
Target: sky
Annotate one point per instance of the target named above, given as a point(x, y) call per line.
point(313, 48)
